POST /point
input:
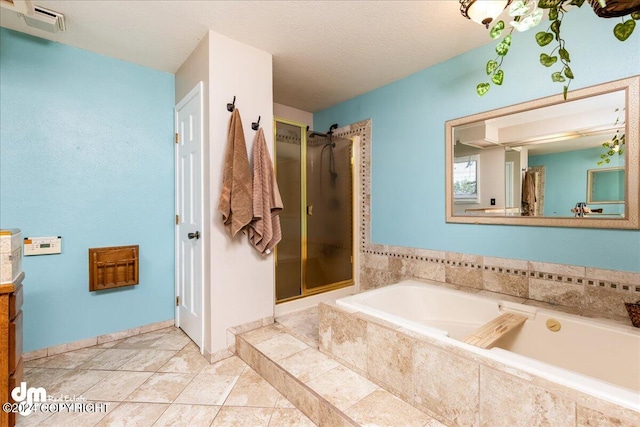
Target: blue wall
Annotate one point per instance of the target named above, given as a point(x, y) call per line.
point(86, 153)
point(566, 179)
point(408, 118)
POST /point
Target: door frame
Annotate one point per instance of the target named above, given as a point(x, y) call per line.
point(198, 89)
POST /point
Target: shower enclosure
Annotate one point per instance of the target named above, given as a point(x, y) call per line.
point(314, 174)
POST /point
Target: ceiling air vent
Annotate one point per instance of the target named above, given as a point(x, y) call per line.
point(45, 19)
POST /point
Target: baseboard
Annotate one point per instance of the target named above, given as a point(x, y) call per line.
point(101, 339)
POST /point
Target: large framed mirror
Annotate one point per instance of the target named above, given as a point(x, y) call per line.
point(549, 162)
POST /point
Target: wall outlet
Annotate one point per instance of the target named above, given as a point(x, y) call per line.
point(493, 202)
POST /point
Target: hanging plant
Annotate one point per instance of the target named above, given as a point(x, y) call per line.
point(528, 14)
point(613, 147)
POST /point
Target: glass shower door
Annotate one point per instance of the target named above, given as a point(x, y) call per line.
point(329, 260)
point(315, 180)
point(289, 144)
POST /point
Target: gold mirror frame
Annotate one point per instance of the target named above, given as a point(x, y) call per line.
point(631, 86)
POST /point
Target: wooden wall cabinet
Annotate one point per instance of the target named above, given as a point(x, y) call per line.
point(113, 267)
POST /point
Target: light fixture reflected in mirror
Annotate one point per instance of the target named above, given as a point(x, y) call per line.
point(482, 11)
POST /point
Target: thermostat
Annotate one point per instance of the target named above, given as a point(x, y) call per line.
point(42, 245)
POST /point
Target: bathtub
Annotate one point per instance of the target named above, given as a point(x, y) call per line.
point(596, 358)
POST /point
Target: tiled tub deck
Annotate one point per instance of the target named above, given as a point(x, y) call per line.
point(456, 386)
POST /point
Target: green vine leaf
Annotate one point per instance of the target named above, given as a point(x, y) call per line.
point(555, 29)
point(553, 14)
point(482, 88)
point(606, 145)
point(548, 4)
point(503, 47)
point(547, 60)
point(544, 38)
point(564, 55)
point(496, 30)
point(607, 160)
point(498, 77)
point(564, 92)
point(557, 77)
point(578, 3)
point(623, 30)
point(635, 15)
point(491, 66)
point(621, 151)
point(568, 72)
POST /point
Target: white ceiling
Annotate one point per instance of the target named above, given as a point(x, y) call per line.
point(324, 52)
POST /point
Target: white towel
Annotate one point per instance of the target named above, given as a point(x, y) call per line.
point(264, 229)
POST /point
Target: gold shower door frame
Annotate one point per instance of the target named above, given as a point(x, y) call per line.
point(304, 292)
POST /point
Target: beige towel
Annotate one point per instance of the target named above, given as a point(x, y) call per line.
point(235, 199)
point(528, 194)
point(264, 229)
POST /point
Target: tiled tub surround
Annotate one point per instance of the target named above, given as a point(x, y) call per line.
point(459, 386)
point(590, 292)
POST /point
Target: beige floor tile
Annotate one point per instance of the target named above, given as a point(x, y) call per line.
point(230, 366)
point(43, 377)
point(434, 423)
point(142, 341)
point(231, 416)
point(173, 340)
point(281, 346)
point(188, 416)
point(342, 387)
point(187, 360)
point(32, 419)
point(109, 359)
point(285, 417)
point(133, 414)
point(75, 383)
point(161, 388)
point(252, 390)
point(381, 408)
point(109, 344)
point(79, 418)
point(148, 360)
point(283, 402)
point(262, 334)
point(207, 389)
point(70, 360)
point(117, 386)
point(308, 364)
point(303, 323)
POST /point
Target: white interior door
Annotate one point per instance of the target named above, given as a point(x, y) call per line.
point(189, 204)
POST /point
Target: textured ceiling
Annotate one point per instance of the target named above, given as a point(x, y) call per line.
point(324, 52)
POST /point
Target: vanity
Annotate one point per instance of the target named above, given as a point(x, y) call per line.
point(11, 319)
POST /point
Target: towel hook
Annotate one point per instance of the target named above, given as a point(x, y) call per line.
point(231, 107)
point(256, 125)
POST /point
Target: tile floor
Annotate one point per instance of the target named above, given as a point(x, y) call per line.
point(158, 379)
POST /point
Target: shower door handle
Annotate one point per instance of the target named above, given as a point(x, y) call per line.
point(195, 235)
point(310, 210)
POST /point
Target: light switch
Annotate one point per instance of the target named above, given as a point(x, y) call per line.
point(42, 245)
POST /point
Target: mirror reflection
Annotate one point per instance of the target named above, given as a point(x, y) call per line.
point(549, 162)
point(538, 162)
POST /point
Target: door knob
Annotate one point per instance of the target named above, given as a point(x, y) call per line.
point(195, 235)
